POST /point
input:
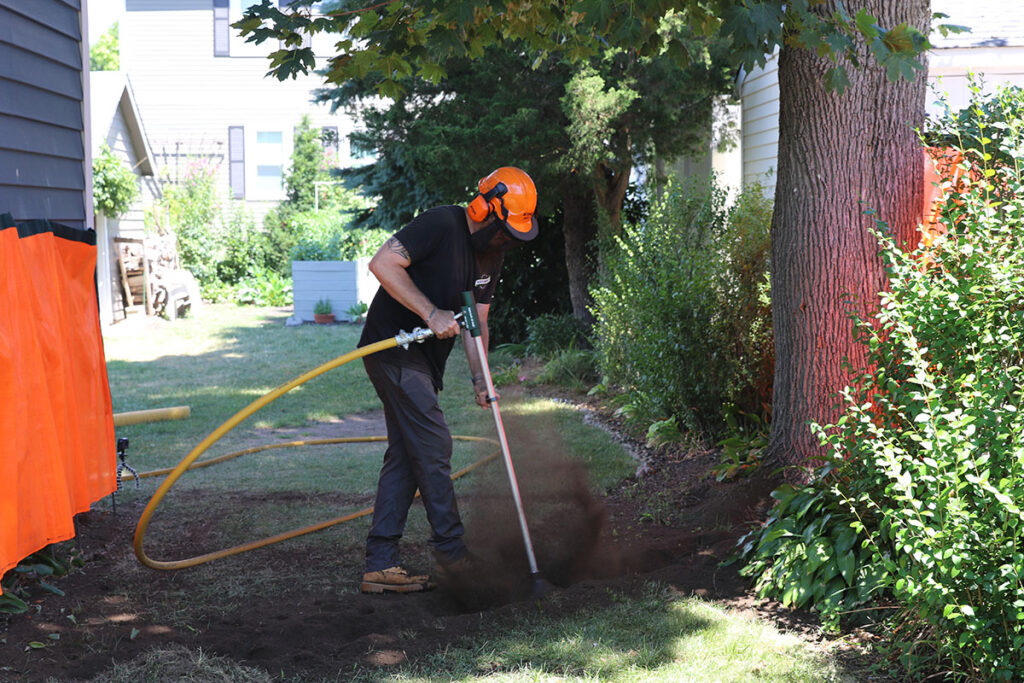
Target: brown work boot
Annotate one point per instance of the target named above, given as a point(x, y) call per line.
point(395, 580)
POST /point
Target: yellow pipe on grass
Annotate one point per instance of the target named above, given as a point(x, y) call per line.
point(155, 415)
point(189, 462)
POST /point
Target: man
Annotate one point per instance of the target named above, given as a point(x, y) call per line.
point(423, 270)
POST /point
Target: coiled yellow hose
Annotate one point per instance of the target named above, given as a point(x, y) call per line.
point(189, 462)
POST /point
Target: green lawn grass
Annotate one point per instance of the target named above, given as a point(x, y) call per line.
point(656, 636)
point(223, 357)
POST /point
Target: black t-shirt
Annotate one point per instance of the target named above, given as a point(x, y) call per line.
point(443, 266)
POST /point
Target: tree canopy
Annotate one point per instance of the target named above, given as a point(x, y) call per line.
point(389, 41)
point(578, 129)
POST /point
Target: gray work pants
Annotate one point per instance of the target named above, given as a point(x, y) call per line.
point(418, 456)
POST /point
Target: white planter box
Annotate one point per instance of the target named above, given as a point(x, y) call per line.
point(343, 283)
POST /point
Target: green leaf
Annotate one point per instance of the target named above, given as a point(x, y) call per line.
point(845, 541)
point(12, 604)
point(817, 554)
point(847, 566)
point(837, 80)
point(49, 587)
point(867, 24)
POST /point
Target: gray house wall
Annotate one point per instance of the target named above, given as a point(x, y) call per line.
point(42, 128)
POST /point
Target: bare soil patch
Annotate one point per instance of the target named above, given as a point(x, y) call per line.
point(672, 523)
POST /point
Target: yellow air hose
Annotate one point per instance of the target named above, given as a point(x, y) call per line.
point(189, 462)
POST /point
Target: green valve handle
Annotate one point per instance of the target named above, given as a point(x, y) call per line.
point(469, 319)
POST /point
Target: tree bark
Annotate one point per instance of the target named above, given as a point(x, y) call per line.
point(579, 227)
point(611, 181)
point(839, 155)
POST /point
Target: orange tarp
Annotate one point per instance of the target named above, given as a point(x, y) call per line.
point(56, 423)
point(942, 174)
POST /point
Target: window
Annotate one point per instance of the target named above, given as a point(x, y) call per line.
point(359, 148)
point(236, 161)
point(268, 158)
point(227, 42)
point(270, 178)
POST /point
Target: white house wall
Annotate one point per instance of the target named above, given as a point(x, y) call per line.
point(189, 98)
point(759, 138)
point(948, 69)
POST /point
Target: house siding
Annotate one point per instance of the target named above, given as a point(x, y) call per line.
point(189, 98)
point(42, 153)
point(759, 93)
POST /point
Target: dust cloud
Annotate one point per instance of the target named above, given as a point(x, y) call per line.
point(565, 519)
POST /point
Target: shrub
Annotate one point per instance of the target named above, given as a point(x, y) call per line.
point(809, 553)
point(549, 333)
point(573, 368)
point(745, 304)
point(192, 208)
point(264, 288)
point(929, 461)
point(114, 186)
point(682, 315)
point(244, 249)
point(324, 236)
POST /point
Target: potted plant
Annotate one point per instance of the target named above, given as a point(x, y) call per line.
point(357, 312)
point(322, 312)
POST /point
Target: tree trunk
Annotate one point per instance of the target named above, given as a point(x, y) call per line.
point(579, 226)
point(839, 155)
point(611, 181)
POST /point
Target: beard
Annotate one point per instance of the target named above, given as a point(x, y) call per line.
point(484, 239)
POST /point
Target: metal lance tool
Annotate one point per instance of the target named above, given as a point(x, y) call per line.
point(472, 325)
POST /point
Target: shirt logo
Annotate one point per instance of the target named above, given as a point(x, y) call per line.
point(484, 281)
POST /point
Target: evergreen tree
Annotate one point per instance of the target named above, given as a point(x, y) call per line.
point(308, 166)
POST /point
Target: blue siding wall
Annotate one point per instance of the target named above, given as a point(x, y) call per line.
point(42, 147)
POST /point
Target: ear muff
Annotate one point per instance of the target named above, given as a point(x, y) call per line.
point(483, 205)
point(478, 209)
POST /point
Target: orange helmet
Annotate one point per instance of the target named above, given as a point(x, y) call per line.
point(509, 194)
